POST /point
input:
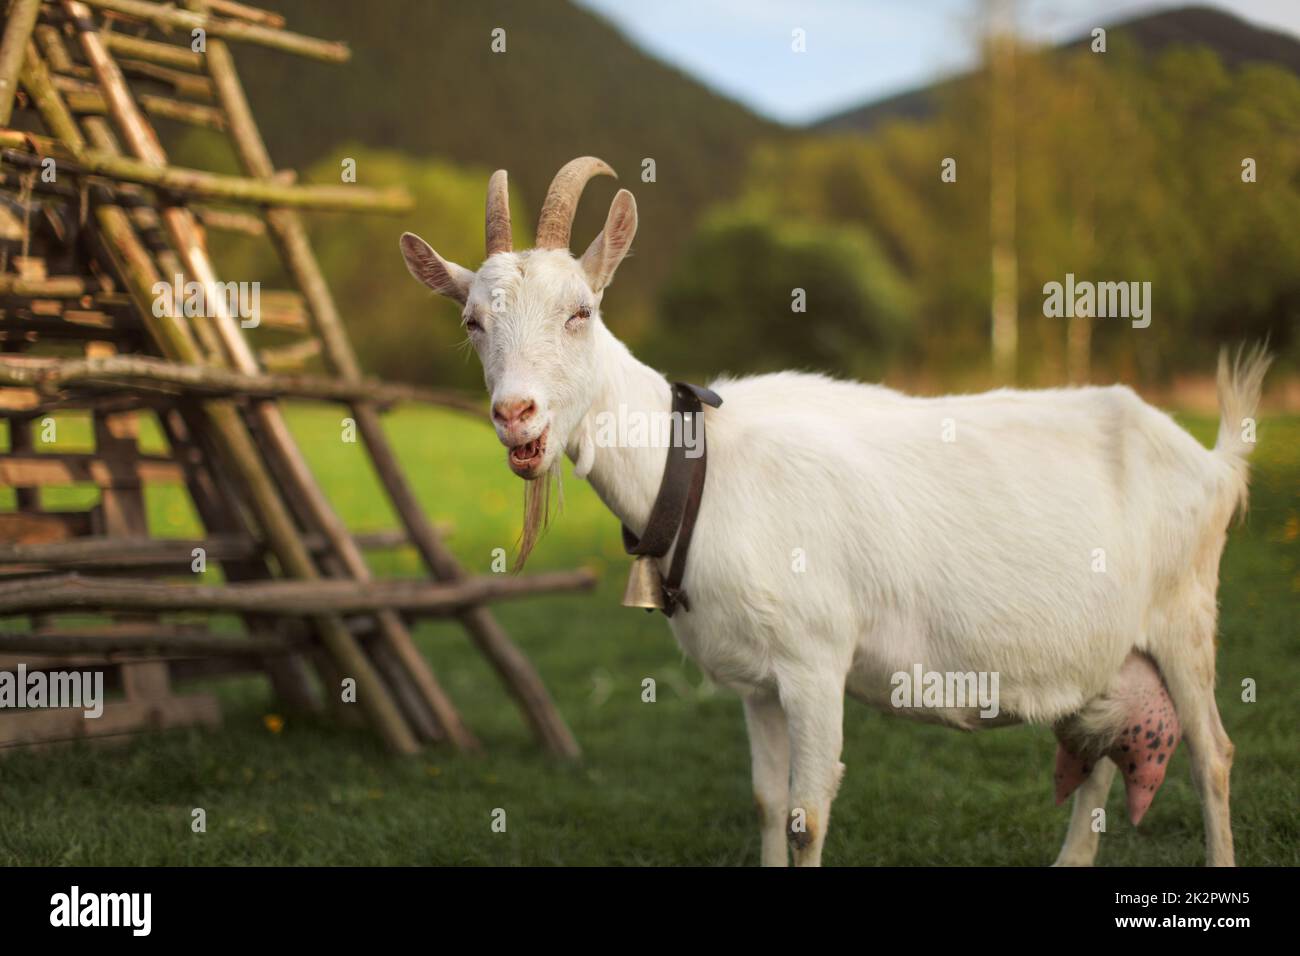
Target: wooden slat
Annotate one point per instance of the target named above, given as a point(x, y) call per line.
point(43, 527)
point(58, 287)
point(67, 592)
point(139, 638)
point(183, 84)
point(167, 54)
point(57, 662)
point(283, 309)
point(91, 102)
point(225, 220)
point(19, 399)
point(199, 183)
point(40, 727)
point(71, 325)
point(247, 31)
point(145, 372)
point(242, 11)
point(36, 470)
point(290, 358)
point(113, 552)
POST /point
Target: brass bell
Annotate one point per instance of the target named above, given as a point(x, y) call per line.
point(645, 585)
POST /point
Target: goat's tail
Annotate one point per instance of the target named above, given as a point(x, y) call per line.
point(1240, 380)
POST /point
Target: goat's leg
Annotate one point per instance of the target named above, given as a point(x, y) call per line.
point(1213, 780)
point(1080, 847)
point(1189, 675)
point(814, 707)
point(769, 747)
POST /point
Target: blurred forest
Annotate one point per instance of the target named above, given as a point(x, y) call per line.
point(1128, 168)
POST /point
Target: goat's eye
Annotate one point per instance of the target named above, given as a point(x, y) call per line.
point(578, 317)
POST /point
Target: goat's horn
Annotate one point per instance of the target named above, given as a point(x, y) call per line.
point(556, 220)
point(498, 214)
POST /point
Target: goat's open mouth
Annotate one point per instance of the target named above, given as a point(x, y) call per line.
point(526, 459)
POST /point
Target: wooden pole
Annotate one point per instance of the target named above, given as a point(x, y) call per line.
point(103, 552)
point(182, 82)
point(274, 303)
point(242, 11)
point(513, 667)
point(48, 375)
point(155, 640)
point(51, 287)
point(229, 221)
point(13, 47)
point(191, 114)
point(163, 107)
point(199, 184)
point(50, 42)
point(247, 32)
point(64, 592)
point(164, 54)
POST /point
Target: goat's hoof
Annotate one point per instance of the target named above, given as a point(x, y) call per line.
point(798, 831)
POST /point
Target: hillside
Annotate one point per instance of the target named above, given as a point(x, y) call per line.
point(1233, 39)
point(424, 81)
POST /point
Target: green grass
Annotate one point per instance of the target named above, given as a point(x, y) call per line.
point(661, 783)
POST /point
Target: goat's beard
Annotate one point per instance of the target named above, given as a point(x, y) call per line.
point(537, 510)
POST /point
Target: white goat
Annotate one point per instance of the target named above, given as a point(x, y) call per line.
point(1067, 541)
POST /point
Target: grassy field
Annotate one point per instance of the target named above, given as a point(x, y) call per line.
point(661, 783)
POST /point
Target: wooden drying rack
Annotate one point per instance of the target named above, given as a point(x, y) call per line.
point(84, 79)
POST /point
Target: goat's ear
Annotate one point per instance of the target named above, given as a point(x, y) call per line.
point(443, 277)
point(608, 249)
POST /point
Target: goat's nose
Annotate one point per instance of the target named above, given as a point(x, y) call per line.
point(515, 411)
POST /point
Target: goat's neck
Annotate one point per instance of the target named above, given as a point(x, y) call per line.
point(626, 479)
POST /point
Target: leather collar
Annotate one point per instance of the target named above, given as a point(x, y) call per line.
point(673, 514)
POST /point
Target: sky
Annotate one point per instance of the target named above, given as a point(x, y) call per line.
point(858, 50)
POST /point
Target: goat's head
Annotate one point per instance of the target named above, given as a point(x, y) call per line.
point(532, 315)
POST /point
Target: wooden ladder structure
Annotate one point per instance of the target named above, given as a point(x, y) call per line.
point(85, 248)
